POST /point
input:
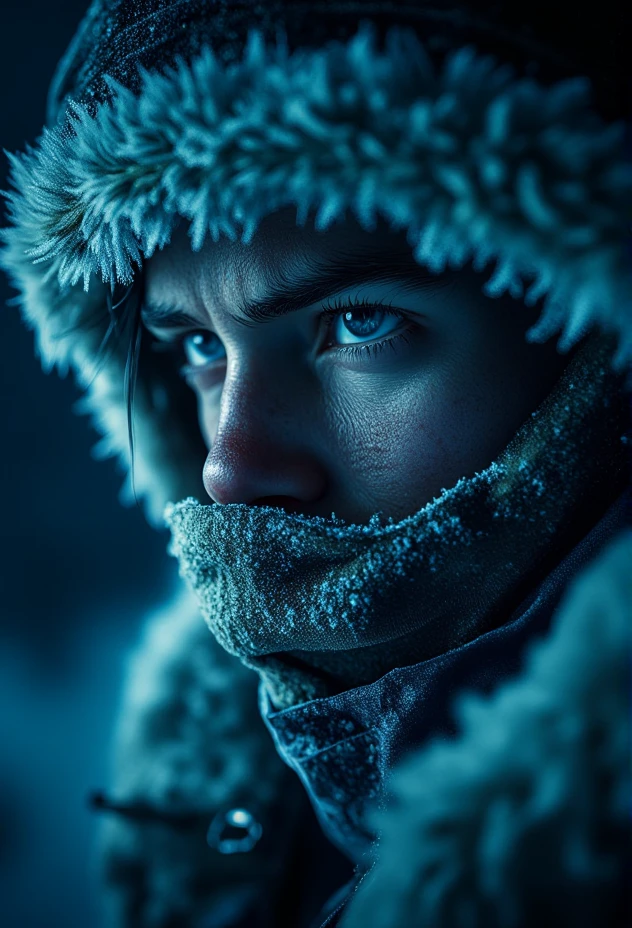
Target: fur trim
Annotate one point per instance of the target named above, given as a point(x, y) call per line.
point(189, 738)
point(524, 818)
point(476, 165)
point(69, 329)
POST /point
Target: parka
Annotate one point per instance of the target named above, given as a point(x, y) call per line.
point(484, 785)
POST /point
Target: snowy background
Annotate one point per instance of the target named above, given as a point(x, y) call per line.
point(78, 572)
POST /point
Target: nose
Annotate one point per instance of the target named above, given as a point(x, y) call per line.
point(261, 452)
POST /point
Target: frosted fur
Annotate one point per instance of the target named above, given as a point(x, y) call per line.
point(500, 826)
point(189, 738)
point(474, 163)
point(165, 463)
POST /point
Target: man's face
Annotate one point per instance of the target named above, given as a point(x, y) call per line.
point(377, 387)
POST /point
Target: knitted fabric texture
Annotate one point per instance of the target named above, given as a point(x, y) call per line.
point(292, 595)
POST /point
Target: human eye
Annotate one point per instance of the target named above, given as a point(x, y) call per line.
point(202, 348)
point(354, 325)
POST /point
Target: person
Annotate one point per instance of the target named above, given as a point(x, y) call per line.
point(356, 275)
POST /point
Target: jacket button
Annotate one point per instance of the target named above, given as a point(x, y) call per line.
point(235, 831)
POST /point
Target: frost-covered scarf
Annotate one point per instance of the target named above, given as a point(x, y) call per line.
point(318, 605)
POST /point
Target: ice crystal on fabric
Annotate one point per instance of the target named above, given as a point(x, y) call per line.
point(270, 581)
point(529, 804)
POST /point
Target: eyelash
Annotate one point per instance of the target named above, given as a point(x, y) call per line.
point(329, 312)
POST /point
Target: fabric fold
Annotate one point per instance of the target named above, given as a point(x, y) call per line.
point(344, 747)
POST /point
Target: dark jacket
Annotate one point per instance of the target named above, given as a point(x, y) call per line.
point(491, 782)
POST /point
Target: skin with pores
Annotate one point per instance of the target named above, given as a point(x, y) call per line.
point(376, 411)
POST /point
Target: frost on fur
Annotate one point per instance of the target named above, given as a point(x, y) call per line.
point(475, 164)
point(523, 819)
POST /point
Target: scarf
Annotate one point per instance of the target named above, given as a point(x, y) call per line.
point(343, 747)
point(317, 606)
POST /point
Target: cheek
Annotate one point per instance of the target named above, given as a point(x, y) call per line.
point(392, 440)
point(402, 442)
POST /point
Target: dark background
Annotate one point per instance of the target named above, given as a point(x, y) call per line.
point(78, 572)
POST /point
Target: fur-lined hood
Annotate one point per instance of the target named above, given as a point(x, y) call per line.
point(480, 162)
point(477, 163)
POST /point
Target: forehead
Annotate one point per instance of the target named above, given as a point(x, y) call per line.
point(226, 274)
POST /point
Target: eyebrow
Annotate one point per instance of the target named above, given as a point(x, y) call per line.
point(289, 292)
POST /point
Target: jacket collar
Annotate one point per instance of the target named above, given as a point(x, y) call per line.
point(343, 747)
